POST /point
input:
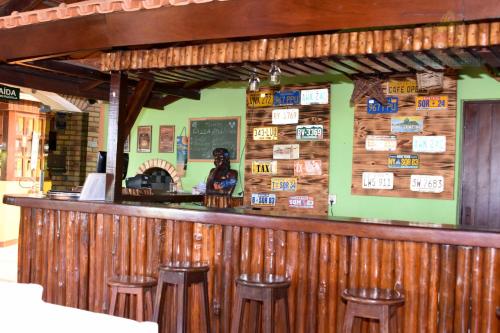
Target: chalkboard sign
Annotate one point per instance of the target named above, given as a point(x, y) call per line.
point(206, 134)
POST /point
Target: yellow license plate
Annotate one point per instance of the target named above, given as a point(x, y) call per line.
point(260, 99)
point(284, 184)
point(265, 133)
point(427, 103)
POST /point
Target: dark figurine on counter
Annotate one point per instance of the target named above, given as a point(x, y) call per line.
point(221, 179)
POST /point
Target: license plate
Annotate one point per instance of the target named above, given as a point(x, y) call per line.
point(285, 116)
point(301, 201)
point(374, 107)
point(284, 184)
point(396, 87)
point(314, 96)
point(290, 97)
point(286, 152)
point(378, 180)
point(403, 162)
point(265, 133)
point(381, 143)
point(428, 103)
point(407, 124)
point(425, 183)
point(307, 168)
point(260, 99)
point(309, 132)
point(264, 167)
point(263, 199)
point(429, 144)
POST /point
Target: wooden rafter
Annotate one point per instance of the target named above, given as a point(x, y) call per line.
point(135, 104)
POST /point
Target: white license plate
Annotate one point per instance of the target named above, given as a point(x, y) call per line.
point(425, 183)
point(429, 144)
point(381, 143)
point(263, 199)
point(378, 180)
point(314, 96)
point(285, 116)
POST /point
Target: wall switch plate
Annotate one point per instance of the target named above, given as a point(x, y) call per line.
point(332, 199)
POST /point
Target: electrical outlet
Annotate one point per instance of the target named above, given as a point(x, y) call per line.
point(332, 199)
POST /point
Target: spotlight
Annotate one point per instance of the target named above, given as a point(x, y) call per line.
point(253, 82)
point(274, 75)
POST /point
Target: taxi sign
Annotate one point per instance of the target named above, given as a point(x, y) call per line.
point(431, 103)
point(260, 99)
point(286, 152)
point(381, 143)
point(285, 116)
point(307, 168)
point(264, 167)
point(289, 97)
point(374, 107)
point(426, 183)
point(263, 199)
point(265, 133)
point(284, 184)
point(309, 132)
point(301, 201)
point(314, 96)
point(398, 87)
point(403, 162)
point(378, 180)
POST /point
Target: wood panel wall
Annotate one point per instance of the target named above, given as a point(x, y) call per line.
point(442, 122)
point(313, 186)
point(447, 288)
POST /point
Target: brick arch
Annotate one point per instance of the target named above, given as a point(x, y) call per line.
point(162, 164)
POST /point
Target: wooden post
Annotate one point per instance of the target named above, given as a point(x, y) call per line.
point(116, 119)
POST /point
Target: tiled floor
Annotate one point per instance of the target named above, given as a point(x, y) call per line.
point(8, 263)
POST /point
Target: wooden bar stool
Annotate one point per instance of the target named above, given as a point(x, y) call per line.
point(372, 303)
point(266, 290)
point(182, 276)
point(140, 286)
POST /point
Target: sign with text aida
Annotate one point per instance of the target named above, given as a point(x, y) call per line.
point(403, 162)
point(265, 133)
point(431, 103)
point(285, 116)
point(289, 97)
point(11, 93)
point(286, 152)
point(401, 87)
point(309, 132)
point(374, 107)
point(314, 96)
point(264, 167)
point(429, 144)
point(381, 143)
point(426, 183)
point(260, 99)
point(284, 184)
point(307, 168)
point(407, 124)
point(378, 180)
point(263, 199)
point(301, 201)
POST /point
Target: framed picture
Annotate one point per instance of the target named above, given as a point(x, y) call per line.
point(126, 145)
point(144, 139)
point(166, 139)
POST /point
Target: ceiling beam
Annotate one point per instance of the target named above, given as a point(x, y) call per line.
point(169, 99)
point(135, 104)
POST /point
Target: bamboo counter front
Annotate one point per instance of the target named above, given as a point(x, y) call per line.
point(450, 276)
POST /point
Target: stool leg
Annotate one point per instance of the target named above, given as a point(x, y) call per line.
point(255, 323)
point(206, 306)
point(182, 295)
point(269, 312)
point(121, 305)
point(287, 314)
point(112, 303)
point(238, 314)
point(348, 318)
point(158, 298)
point(384, 319)
point(393, 319)
point(149, 304)
point(140, 305)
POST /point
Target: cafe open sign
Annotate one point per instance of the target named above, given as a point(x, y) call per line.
point(11, 93)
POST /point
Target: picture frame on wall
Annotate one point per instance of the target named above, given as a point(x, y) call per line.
point(126, 144)
point(166, 139)
point(144, 139)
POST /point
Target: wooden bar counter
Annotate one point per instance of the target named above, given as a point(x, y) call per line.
point(450, 275)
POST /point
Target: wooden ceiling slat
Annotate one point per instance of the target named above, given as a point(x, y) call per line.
point(196, 74)
point(376, 66)
point(356, 65)
point(428, 61)
point(394, 64)
point(489, 57)
point(217, 74)
point(408, 61)
point(305, 67)
point(173, 74)
point(335, 65)
point(467, 58)
point(445, 58)
point(322, 67)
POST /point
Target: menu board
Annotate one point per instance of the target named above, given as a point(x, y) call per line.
point(407, 148)
point(206, 134)
point(287, 149)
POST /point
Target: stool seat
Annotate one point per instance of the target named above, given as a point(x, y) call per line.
point(185, 267)
point(263, 281)
point(132, 281)
point(373, 296)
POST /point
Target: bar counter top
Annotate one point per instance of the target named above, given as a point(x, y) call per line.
point(248, 217)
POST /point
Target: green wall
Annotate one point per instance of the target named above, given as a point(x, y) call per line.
point(229, 100)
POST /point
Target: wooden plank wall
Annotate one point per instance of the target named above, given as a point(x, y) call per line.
point(441, 122)
point(447, 288)
point(314, 186)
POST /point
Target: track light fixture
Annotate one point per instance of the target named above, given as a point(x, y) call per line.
point(274, 75)
point(253, 82)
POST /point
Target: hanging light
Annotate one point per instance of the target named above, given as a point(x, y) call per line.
point(274, 75)
point(253, 82)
